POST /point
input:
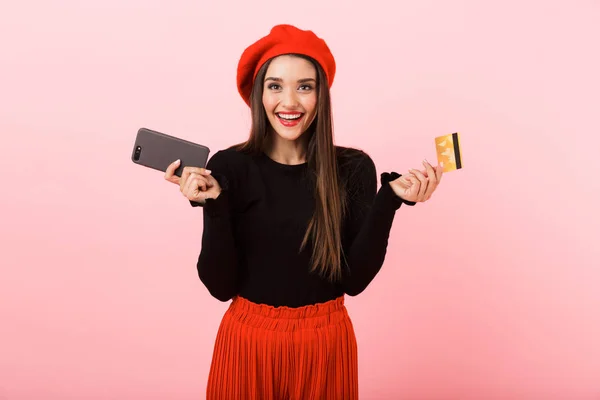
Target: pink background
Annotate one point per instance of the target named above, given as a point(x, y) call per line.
point(491, 290)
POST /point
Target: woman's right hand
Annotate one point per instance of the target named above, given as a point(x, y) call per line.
point(196, 184)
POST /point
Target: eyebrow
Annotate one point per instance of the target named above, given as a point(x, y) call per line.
point(270, 78)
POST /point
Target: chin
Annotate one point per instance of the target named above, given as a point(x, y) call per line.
point(288, 134)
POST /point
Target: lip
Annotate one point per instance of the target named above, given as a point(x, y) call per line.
point(288, 123)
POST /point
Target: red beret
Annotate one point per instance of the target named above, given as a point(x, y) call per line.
point(283, 39)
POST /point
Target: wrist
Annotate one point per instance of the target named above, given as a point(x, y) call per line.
point(399, 196)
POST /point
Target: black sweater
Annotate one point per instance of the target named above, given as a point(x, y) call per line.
point(254, 229)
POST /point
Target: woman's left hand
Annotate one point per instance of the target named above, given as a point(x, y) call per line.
point(418, 186)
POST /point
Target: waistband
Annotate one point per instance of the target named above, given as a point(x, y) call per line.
point(285, 318)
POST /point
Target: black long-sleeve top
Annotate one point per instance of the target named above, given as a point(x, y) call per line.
point(254, 229)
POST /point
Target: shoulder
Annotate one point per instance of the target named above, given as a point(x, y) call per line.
point(229, 158)
point(353, 161)
point(231, 161)
point(230, 166)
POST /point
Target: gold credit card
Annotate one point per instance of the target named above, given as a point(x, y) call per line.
point(448, 151)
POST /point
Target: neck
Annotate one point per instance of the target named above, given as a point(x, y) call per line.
point(286, 151)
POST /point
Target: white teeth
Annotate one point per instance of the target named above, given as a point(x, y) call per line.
point(289, 116)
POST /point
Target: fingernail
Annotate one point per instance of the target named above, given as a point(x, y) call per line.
point(177, 162)
point(208, 171)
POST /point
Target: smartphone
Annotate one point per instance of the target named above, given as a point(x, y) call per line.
point(158, 150)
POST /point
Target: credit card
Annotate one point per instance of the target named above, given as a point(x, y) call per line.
point(448, 151)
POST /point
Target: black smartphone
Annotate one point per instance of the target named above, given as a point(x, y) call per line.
point(158, 150)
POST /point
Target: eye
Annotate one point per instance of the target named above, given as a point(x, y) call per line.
point(274, 86)
point(306, 87)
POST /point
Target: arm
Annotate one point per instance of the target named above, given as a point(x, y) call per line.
point(369, 221)
point(218, 263)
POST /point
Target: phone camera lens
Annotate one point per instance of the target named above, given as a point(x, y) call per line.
point(136, 155)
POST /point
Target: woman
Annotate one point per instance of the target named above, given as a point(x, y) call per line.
point(292, 224)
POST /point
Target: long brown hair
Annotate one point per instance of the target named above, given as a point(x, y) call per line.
point(324, 228)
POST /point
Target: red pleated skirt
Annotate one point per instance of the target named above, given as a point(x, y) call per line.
point(281, 353)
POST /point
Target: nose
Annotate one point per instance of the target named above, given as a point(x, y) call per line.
point(289, 99)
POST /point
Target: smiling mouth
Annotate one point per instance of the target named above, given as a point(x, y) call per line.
point(289, 116)
point(289, 120)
